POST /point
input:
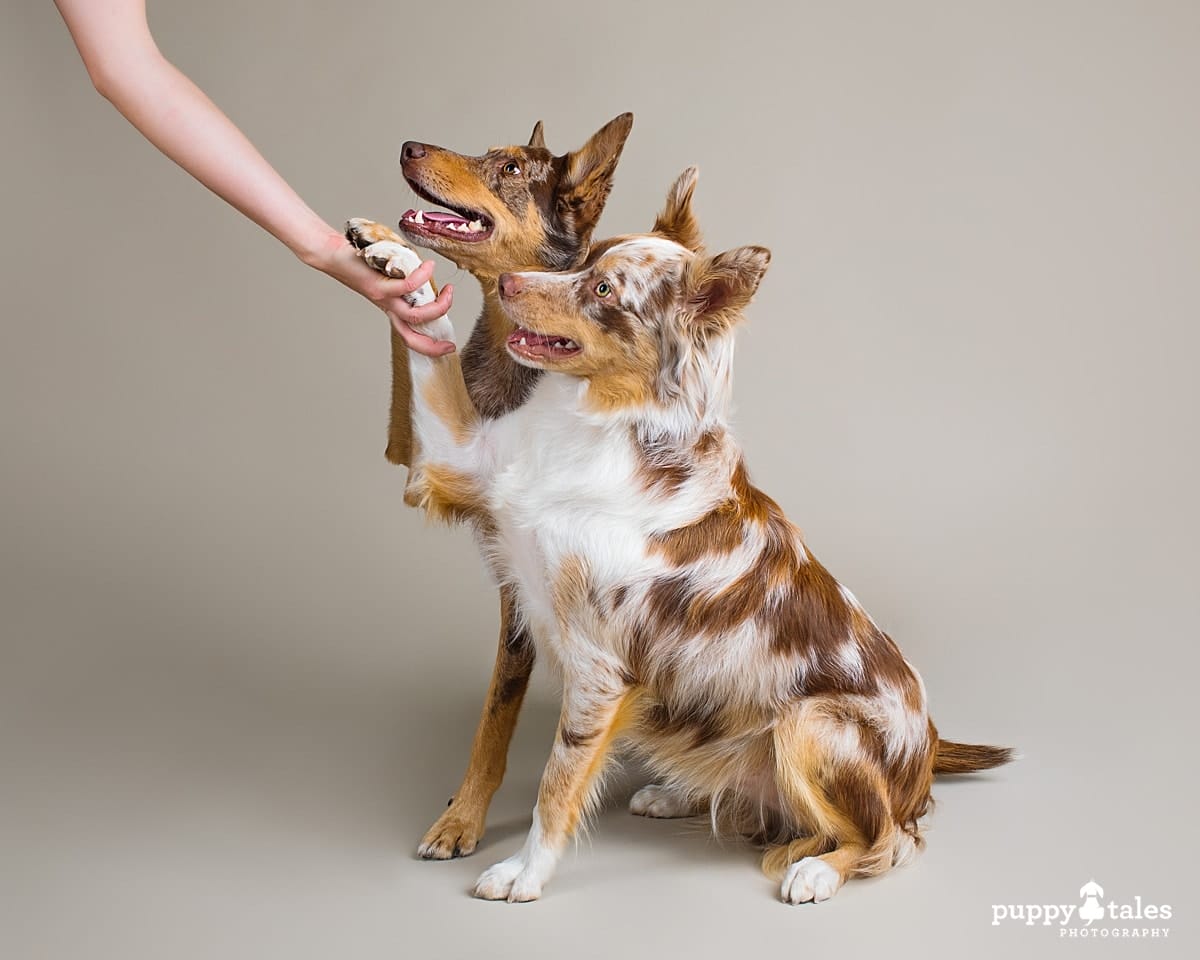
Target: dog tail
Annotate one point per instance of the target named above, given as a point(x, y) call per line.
point(952, 757)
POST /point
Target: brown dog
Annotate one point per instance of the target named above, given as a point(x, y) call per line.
point(515, 208)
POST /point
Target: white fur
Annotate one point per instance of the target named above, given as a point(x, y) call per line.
point(521, 877)
point(662, 800)
point(810, 880)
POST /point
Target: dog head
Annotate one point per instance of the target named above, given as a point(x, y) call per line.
point(513, 208)
point(647, 320)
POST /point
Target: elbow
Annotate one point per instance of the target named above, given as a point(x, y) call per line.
point(102, 79)
point(115, 70)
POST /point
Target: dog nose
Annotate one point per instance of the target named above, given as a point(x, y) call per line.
point(412, 150)
point(510, 285)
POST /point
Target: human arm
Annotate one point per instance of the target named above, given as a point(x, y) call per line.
point(127, 69)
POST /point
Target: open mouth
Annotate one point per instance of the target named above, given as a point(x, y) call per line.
point(459, 224)
point(541, 346)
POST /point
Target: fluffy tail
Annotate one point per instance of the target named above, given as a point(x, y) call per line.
point(954, 757)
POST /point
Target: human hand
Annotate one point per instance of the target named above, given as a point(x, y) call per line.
point(340, 260)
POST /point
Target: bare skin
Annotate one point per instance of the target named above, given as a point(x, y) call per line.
point(127, 69)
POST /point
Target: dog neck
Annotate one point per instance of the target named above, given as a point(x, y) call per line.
point(497, 383)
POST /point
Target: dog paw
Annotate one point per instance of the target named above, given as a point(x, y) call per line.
point(810, 880)
point(362, 233)
point(392, 259)
point(382, 248)
point(656, 800)
point(509, 880)
point(452, 836)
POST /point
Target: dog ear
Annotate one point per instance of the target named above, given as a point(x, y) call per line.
point(676, 221)
point(719, 288)
point(588, 174)
point(536, 139)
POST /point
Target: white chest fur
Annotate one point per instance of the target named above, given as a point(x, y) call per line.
point(562, 487)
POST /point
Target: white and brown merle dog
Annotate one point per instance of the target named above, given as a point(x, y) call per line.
point(683, 609)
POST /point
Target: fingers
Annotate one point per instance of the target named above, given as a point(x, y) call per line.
point(414, 281)
point(419, 342)
point(427, 311)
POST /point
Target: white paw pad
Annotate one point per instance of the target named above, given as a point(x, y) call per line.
point(810, 880)
point(655, 800)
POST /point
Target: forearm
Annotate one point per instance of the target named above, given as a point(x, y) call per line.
point(176, 116)
point(125, 65)
point(127, 68)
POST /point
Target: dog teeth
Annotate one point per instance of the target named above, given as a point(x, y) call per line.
point(476, 226)
point(572, 345)
point(523, 343)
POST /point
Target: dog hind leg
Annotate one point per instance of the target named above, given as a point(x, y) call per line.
point(833, 789)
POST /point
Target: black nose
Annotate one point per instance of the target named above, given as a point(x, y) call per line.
point(510, 285)
point(412, 150)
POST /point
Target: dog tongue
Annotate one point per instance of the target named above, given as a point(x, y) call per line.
point(439, 217)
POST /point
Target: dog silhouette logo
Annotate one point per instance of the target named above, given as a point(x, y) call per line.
point(1091, 892)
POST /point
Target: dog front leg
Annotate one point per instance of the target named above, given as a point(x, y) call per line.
point(460, 827)
point(592, 716)
point(443, 448)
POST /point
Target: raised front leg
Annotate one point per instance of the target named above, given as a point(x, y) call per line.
point(372, 240)
point(442, 448)
point(594, 712)
point(460, 827)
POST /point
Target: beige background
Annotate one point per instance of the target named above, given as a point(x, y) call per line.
point(238, 678)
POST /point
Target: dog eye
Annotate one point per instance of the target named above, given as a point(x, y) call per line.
point(603, 289)
point(512, 168)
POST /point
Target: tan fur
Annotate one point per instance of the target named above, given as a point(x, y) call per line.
point(459, 829)
point(566, 790)
point(676, 221)
point(447, 396)
point(446, 495)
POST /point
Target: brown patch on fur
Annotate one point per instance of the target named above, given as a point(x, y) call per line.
point(399, 444)
point(720, 531)
point(709, 443)
point(662, 467)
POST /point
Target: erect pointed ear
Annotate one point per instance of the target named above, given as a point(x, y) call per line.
point(536, 139)
point(720, 287)
point(677, 222)
point(588, 174)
